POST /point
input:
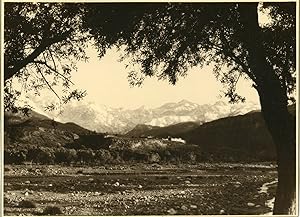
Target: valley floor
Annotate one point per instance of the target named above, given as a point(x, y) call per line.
point(140, 189)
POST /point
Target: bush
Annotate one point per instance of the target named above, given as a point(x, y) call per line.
point(103, 156)
point(63, 155)
point(85, 156)
point(27, 204)
point(45, 156)
point(15, 156)
point(52, 210)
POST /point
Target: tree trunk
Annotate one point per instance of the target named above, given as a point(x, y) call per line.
point(273, 99)
point(282, 127)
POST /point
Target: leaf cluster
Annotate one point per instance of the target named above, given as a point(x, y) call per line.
point(42, 44)
point(167, 39)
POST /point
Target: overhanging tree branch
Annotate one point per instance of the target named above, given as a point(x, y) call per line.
point(52, 69)
point(10, 71)
point(39, 70)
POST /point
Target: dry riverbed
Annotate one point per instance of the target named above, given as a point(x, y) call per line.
point(140, 189)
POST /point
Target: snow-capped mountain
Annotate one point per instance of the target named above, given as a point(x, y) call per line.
point(102, 118)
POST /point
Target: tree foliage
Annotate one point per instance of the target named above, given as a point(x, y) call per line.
point(42, 44)
point(168, 39)
point(44, 41)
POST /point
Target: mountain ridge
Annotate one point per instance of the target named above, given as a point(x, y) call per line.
point(106, 119)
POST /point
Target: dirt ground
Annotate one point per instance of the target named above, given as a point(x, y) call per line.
point(138, 189)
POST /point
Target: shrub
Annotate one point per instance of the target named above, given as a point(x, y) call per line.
point(63, 155)
point(45, 156)
point(103, 156)
point(27, 204)
point(52, 210)
point(15, 156)
point(86, 156)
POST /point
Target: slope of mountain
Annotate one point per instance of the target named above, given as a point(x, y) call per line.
point(162, 132)
point(38, 130)
point(117, 120)
point(242, 136)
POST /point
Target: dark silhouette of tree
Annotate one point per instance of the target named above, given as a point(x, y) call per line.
point(165, 40)
point(42, 43)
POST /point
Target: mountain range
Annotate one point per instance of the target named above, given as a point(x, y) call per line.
point(237, 138)
point(106, 119)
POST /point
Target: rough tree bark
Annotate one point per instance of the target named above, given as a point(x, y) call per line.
point(273, 100)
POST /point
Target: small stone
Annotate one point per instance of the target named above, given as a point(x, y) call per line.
point(193, 206)
point(172, 211)
point(257, 206)
point(91, 179)
point(26, 193)
point(183, 207)
point(50, 185)
point(222, 211)
point(27, 182)
point(117, 184)
point(250, 204)
point(187, 182)
point(140, 186)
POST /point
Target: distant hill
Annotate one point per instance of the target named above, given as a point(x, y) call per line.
point(238, 138)
point(38, 130)
point(143, 130)
point(242, 136)
point(20, 116)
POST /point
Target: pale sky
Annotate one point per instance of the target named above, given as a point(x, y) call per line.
point(105, 81)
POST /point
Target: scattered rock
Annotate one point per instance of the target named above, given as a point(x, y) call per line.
point(187, 182)
point(222, 211)
point(172, 211)
point(50, 185)
point(91, 179)
point(183, 207)
point(116, 184)
point(27, 182)
point(250, 204)
point(193, 206)
point(140, 186)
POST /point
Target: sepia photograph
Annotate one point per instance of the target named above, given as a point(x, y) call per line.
point(149, 108)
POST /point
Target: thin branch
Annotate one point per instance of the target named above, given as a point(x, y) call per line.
point(234, 58)
point(39, 70)
point(50, 52)
point(236, 81)
point(55, 71)
point(11, 71)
